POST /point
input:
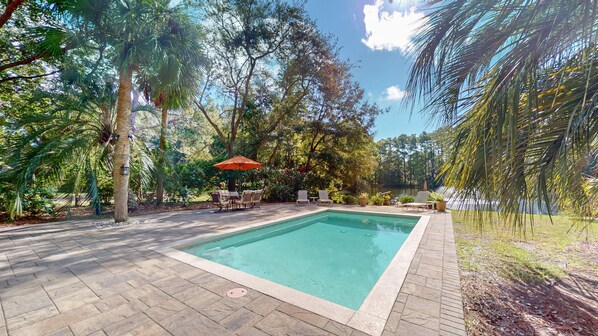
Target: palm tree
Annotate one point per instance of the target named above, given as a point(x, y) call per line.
point(173, 83)
point(518, 81)
point(70, 145)
point(141, 34)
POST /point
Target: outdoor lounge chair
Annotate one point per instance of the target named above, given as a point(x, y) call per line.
point(246, 198)
point(420, 202)
point(256, 200)
point(323, 197)
point(302, 197)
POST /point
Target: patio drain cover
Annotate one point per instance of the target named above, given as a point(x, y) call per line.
point(236, 292)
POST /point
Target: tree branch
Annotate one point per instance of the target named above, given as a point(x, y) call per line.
point(214, 125)
point(23, 61)
point(30, 59)
point(27, 77)
point(10, 8)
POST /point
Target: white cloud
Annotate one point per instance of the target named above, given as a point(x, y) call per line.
point(394, 93)
point(390, 30)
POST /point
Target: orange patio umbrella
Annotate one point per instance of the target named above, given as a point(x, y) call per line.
point(238, 163)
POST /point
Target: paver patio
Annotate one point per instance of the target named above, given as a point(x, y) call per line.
point(74, 279)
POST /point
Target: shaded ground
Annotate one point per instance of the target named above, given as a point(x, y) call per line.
point(543, 284)
point(86, 212)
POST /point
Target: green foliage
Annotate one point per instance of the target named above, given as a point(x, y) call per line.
point(200, 175)
point(406, 199)
point(36, 201)
point(33, 201)
point(310, 122)
point(33, 42)
point(282, 185)
point(338, 198)
point(350, 199)
point(434, 196)
point(518, 83)
point(7, 196)
point(408, 160)
point(377, 200)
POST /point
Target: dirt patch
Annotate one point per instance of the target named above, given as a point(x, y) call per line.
point(538, 287)
point(501, 307)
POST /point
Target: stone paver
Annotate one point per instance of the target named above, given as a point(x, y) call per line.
point(72, 279)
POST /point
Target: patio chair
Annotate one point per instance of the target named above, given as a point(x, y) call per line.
point(219, 201)
point(256, 200)
point(323, 197)
point(302, 197)
point(246, 198)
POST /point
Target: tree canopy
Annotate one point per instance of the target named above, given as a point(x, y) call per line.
point(135, 100)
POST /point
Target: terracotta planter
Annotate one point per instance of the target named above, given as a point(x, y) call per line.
point(441, 206)
point(363, 201)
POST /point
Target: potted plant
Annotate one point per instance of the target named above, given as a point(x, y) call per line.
point(439, 199)
point(363, 199)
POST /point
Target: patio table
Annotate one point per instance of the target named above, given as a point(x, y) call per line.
point(232, 198)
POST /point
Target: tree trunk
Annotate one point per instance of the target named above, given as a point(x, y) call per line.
point(122, 148)
point(232, 181)
point(161, 168)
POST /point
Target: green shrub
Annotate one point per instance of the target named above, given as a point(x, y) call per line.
point(377, 200)
point(7, 196)
point(338, 198)
point(406, 199)
point(350, 199)
point(434, 196)
point(282, 185)
point(386, 199)
point(105, 189)
point(33, 201)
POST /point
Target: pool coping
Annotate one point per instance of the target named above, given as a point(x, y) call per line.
point(373, 313)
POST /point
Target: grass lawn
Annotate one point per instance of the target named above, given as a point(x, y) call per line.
point(543, 283)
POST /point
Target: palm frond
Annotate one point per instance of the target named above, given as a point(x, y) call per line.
point(514, 78)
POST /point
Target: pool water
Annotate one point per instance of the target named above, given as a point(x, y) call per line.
point(334, 255)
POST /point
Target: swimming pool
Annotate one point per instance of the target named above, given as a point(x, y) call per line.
point(345, 265)
point(336, 256)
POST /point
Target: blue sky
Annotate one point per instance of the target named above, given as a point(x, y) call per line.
point(376, 42)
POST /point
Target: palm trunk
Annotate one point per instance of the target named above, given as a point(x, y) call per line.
point(160, 177)
point(122, 148)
